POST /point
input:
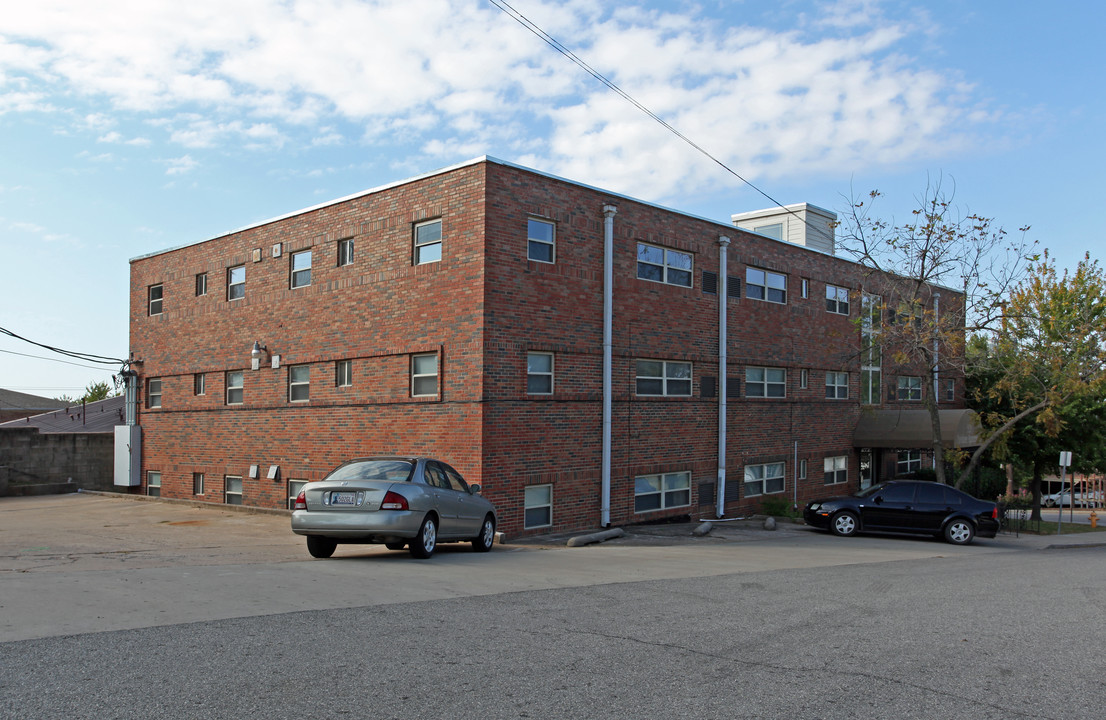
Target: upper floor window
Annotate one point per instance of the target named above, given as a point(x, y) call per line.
point(765, 285)
point(236, 282)
point(235, 388)
point(910, 388)
point(774, 231)
point(539, 373)
point(154, 296)
point(201, 284)
point(765, 382)
point(299, 383)
point(662, 377)
point(424, 375)
point(837, 385)
point(153, 393)
point(540, 240)
point(663, 265)
point(428, 242)
point(837, 300)
point(343, 373)
point(345, 252)
point(301, 268)
point(950, 390)
point(199, 384)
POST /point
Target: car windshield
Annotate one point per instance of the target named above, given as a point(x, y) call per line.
point(870, 491)
point(386, 470)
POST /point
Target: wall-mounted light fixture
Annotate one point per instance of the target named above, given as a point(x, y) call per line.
point(255, 354)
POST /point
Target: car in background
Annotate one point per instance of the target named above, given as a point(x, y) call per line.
point(395, 501)
point(907, 506)
point(1063, 499)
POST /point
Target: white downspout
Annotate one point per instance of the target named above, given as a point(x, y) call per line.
point(723, 301)
point(608, 323)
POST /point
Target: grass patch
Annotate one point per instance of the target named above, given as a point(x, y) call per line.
point(1048, 527)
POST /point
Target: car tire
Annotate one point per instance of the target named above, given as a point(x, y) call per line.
point(845, 523)
point(484, 541)
point(959, 531)
point(422, 545)
point(395, 545)
point(321, 547)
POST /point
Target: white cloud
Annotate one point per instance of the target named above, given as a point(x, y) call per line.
point(181, 165)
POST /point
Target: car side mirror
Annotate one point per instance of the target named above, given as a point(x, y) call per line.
point(474, 489)
point(878, 499)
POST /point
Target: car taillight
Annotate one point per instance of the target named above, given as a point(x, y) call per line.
point(994, 513)
point(393, 501)
point(301, 501)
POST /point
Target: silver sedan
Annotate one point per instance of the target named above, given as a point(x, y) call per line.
point(395, 501)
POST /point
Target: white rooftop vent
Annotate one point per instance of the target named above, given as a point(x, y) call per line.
point(801, 224)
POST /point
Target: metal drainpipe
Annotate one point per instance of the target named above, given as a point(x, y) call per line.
point(608, 322)
point(723, 243)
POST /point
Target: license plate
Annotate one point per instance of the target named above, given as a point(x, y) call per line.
point(343, 498)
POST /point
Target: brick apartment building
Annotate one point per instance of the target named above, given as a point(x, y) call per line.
point(461, 314)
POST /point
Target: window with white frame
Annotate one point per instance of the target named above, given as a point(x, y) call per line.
point(199, 384)
point(663, 265)
point(153, 393)
point(837, 470)
point(155, 298)
point(910, 388)
point(201, 284)
point(539, 373)
point(837, 385)
point(764, 479)
point(301, 268)
point(153, 483)
point(870, 355)
point(774, 231)
point(909, 461)
point(950, 390)
point(197, 483)
point(232, 489)
point(765, 382)
point(538, 511)
point(540, 240)
point(236, 282)
point(428, 242)
point(804, 378)
point(805, 287)
point(299, 383)
point(343, 373)
point(424, 375)
point(235, 388)
point(663, 377)
point(765, 285)
point(837, 300)
point(345, 252)
point(661, 492)
point(802, 469)
point(294, 487)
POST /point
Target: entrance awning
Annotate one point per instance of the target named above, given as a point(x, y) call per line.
point(912, 429)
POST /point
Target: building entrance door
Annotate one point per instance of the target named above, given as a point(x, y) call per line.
point(868, 467)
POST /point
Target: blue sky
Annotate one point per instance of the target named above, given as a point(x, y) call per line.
point(127, 128)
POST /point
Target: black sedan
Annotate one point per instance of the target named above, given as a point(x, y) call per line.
point(908, 506)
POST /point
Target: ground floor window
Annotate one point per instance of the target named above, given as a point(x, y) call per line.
point(294, 487)
point(153, 483)
point(660, 492)
point(538, 506)
point(837, 470)
point(197, 483)
point(232, 490)
point(910, 461)
point(763, 479)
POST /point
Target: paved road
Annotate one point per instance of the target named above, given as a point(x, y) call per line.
point(210, 614)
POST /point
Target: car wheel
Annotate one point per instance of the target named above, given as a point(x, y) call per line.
point(395, 545)
point(422, 545)
point(959, 532)
point(321, 547)
point(483, 542)
point(844, 523)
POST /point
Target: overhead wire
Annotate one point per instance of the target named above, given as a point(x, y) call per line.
point(87, 357)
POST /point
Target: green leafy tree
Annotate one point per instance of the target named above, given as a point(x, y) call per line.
point(93, 391)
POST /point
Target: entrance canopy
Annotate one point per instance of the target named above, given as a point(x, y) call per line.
point(894, 428)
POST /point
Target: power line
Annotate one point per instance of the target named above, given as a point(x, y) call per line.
point(87, 357)
point(40, 357)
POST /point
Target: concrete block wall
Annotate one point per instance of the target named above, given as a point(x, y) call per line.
point(30, 459)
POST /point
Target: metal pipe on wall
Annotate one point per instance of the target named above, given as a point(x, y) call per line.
point(608, 323)
point(723, 244)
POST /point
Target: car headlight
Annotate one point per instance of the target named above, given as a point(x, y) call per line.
point(814, 505)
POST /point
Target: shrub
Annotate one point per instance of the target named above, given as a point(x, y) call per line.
point(778, 507)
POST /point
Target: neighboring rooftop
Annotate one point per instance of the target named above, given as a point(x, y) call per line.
point(18, 405)
point(801, 224)
point(96, 417)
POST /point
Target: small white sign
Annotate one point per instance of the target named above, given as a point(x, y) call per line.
point(1065, 459)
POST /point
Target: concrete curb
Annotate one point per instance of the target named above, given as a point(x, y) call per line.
point(603, 536)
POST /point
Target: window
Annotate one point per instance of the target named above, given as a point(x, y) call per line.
point(299, 383)
point(155, 294)
point(837, 470)
point(804, 378)
point(870, 355)
point(301, 269)
point(236, 282)
point(201, 284)
point(661, 377)
point(424, 375)
point(660, 492)
point(837, 385)
point(234, 388)
point(153, 483)
point(663, 265)
point(763, 479)
point(197, 483)
point(232, 490)
point(910, 461)
point(774, 231)
point(802, 469)
point(538, 506)
point(294, 487)
point(765, 382)
point(539, 373)
point(910, 388)
point(540, 239)
point(153, 393)
point(199, 384)
point(428, 242)
point(805, 288)
point(343, 373)
point(345, 252)
point(765, 285)
point(950, 390)
point(837, 300)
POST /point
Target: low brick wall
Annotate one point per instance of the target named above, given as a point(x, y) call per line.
point(32, 463)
